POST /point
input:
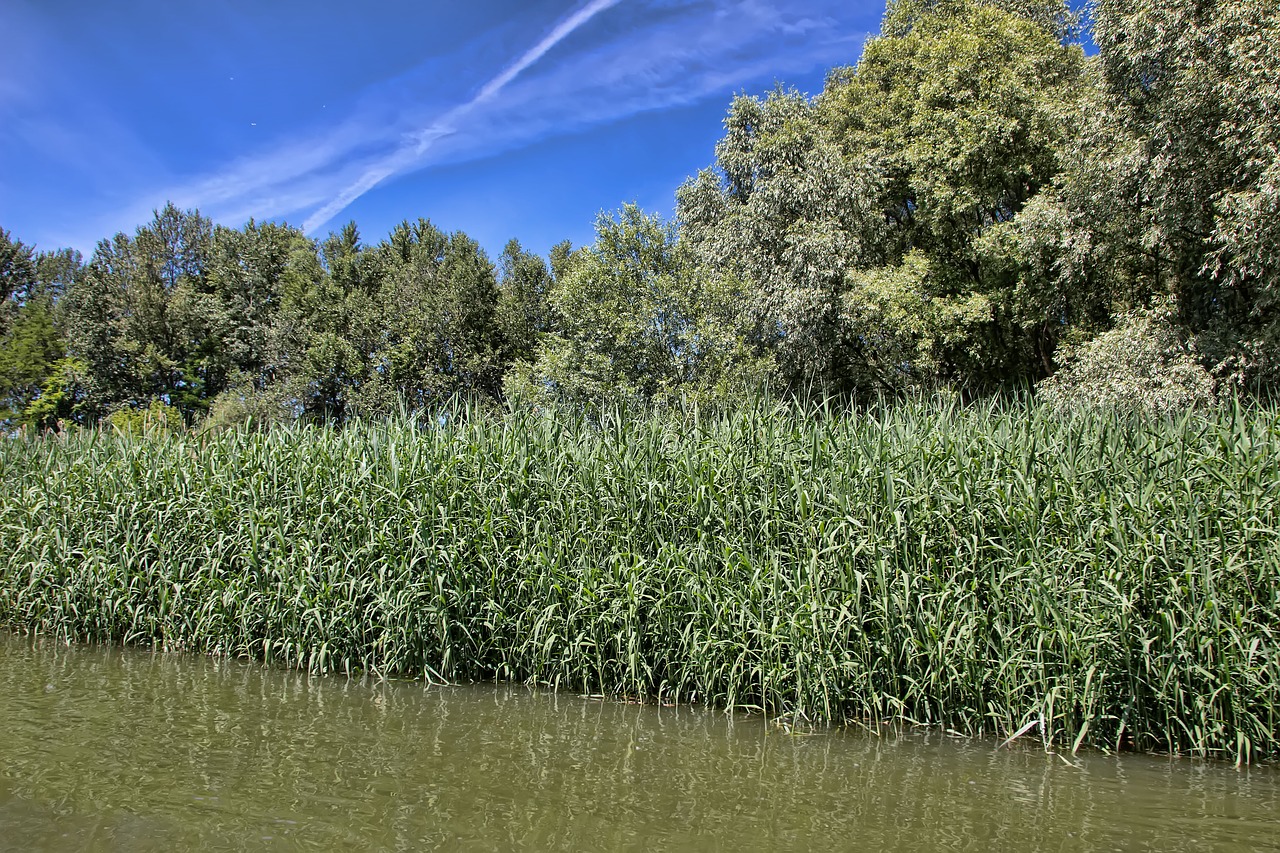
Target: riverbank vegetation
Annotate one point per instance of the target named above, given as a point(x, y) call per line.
point(253, 443)
point(978, 568)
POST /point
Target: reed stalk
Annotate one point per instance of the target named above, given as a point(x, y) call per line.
point(977, 568)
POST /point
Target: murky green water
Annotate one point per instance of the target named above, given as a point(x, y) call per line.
point(108, 749)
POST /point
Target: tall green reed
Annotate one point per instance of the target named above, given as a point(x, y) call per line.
point(1115, 581)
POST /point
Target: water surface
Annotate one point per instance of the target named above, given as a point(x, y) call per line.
point(108, 749)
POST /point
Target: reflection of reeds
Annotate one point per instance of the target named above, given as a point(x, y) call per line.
point(977, 568)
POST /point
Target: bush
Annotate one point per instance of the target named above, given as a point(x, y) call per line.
point(158, 417)
point(1142, 365)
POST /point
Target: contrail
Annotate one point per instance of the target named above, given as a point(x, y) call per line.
point(556, 36)
point(407, 154)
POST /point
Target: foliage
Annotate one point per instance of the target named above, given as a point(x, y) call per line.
point(28, 351)
point(157, 417)
point(1053, 16)
point(784, 213)
point(865, 216)
point(1191, 99)
point(250, 407)
point(523, 313)
point(1140, 366)
point(143, 319)
point(975, 568)
point(31, 320)
point(61, 398)
point(252, 271)
point(964, 114)
point(639, 323)
point(17, 275)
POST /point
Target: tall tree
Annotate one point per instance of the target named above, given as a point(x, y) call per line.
point(640, 322)
point(524, 283)
point(250, 271)
point(33, 363)
point(29, 350)
point(1192, 96)
point(785, 211)
point(17, 275)
point(442, 318)
point(871, 219)
point(141, 320)
point(321, 369)
point(964, 114)
point(31, 341)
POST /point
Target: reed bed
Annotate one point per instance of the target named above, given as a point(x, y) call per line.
point(1108, 582)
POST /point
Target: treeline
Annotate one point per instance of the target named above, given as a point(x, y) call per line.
point(975, 205)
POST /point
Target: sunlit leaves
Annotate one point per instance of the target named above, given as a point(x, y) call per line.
point(1192, 88)
point(639, 321)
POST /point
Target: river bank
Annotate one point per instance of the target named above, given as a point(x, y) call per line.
point(974, 569)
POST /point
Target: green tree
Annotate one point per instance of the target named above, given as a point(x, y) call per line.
point(786, 212)
point(260, 275)
point(441, 302)
point(29, 351)
point(965, 114)
point(523, 314)
point(640, 323)
point(1186, 188)
point(1143, 364)
point(876, 221)
point(409, 322)
point(143, 321)
point(62, 397)
point(1052, 16)
point(250, 270)
point(319, 368)
point(31, 337)
point(17, 275)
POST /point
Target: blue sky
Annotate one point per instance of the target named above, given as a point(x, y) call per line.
point(501, 119)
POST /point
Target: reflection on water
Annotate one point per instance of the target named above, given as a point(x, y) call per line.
point(108, 749)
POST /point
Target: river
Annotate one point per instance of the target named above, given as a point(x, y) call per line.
point(106, 749)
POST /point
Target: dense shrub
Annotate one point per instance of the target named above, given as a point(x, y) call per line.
point(1142, 365)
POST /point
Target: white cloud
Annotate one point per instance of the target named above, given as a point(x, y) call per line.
point(605, 62)
point(412, 152)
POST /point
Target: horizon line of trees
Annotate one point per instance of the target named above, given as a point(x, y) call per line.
point(974, 205)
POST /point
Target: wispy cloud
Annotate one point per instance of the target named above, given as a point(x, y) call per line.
point(407, 155)
point(606, 61)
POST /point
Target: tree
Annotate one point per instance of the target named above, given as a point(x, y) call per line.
point(29, 350)
point(640, 323)
point(17, 275)
point(318, 368)
point(965, 114)
point(873, 220)
point(143, 321)
point(439, 330)
point(259, 276)
point(523, 314)
point(1052, 16)
point(31, 338)
point(1192, 99)
point(784, 212)
point(250, 271)
point(61, 399)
